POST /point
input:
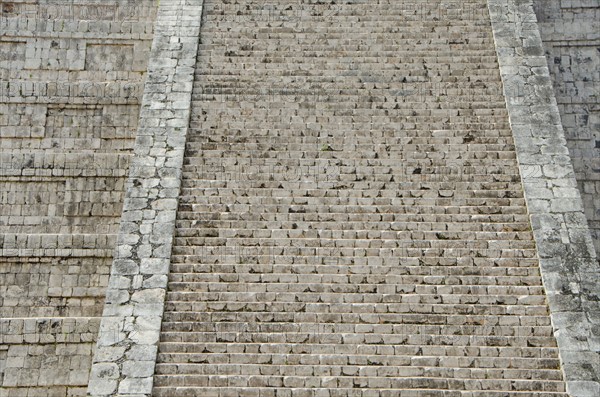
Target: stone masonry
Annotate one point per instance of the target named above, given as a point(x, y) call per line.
point(71, 76)
point(129, 332)
point(299, 198)
point(564, 244)
point(570, 31)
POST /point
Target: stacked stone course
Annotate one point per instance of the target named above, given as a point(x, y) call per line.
point(570, 31)
point(298, 198)
point(71, 75)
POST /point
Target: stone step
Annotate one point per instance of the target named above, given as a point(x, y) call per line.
point(471, 95)
point(326, 153)
point(409, 323)
point(362, 237)
point(273, 98)
point(349, 246)
point(386, 309)
point(290, 113)
point(312, 285)
point(456, 80)
point(333, 255)
point(243, 336)
point(335, 368)
point(348, 132)
point(405, 99)
point(437, 32)
point(342, 267)
point(422, 190)
point(266, 137)
point(367, 189)
point(405, 121)
point(501, 234)
point(191, 322)
point(336, 56)
point(320, 380)
point(382, 269)
point(408, 170)
point(189, 266)
point(331, 41)
point(273, 292)
point(298, 221)
point(456, 76)
point(290, 59)
point(337, 391)
point(390, 147)
point(336, 224)
point(457, 96)
point(412, 176)
point(418, 23)
point(323, 12)
point(458, 172)
point(394, 267)
point(300, 129)
point(339, 30)
point(337, 365)
point(409, 80)
point(383, 126)
point(300, 126)
point(265, 291)
point(279, 65)
point(426, 32)
point(332, 230)
point(397, 206)
point(417, 265)
point(408, 35)
point(390, 136)
point(288, 24)
point(475, 213)
point(361, 270)
point(414, 79)
point(369, 93)
point(315, 344)
point(441, 351)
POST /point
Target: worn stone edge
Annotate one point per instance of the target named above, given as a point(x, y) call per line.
point(568, 261)
point(124, 361)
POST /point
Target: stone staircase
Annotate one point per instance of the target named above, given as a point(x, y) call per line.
point(352, 220)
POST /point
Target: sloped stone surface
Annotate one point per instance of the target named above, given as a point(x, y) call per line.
point(351, 219)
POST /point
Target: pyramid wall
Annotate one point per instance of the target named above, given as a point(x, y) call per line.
point(571, 35)
point(71, 82)
point(89, 111)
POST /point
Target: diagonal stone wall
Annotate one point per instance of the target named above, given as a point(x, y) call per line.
point(564, 244)
point(127, 343)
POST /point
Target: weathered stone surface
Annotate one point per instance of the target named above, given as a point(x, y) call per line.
point(132, 315)
point(564, 243)
point(71, 76)
point(352, 219)
point(315, 283)
point(569, 31)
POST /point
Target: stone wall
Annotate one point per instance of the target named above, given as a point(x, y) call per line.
point(71, 78)
point(571, 35)
point(565, 248)
point(129, 332)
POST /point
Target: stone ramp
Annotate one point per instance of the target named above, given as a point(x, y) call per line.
point(351, 219)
